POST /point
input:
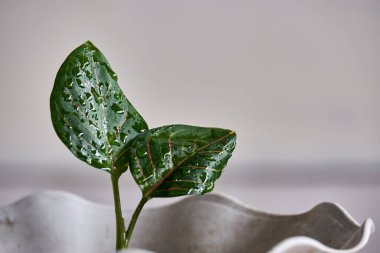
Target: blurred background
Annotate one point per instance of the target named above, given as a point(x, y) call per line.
point(299, 81)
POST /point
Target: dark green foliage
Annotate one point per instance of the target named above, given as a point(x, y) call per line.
point(90, 113)
point(180, 160)
point(94, 119)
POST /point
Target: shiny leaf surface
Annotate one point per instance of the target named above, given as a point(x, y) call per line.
point(90, 113)
point(180, 160)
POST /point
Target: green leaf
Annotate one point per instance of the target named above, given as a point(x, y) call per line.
point(180, 160)
point(90, 113)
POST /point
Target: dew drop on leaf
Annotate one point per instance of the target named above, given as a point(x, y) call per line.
point(123, 136)
point(87, 94)
point(82, 101)
point(117, 109)
point(117, 96)
point(103, 148)
point(92, 107)
point(88, 74)
point(66, 95)
point(69, 83)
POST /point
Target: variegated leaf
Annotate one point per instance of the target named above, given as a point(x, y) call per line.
point(90, 113)
point(179, 159)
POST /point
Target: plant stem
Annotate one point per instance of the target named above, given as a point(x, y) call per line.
point(134, 218)
point(120, 228)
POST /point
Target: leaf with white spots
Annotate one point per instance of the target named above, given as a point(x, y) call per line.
point(179, 159)
point(90, 113)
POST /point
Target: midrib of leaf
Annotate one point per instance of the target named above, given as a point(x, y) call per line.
point(118, 129)
point(104, 127)
point(100, 123)
point(150, 157)
point(139, 165)
point(156, 185)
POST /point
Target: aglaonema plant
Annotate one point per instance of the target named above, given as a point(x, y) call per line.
point(95, 120)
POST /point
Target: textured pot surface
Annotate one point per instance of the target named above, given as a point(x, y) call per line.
point(60, 222)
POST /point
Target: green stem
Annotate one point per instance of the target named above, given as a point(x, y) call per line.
point(120, 228)
point(134, 218)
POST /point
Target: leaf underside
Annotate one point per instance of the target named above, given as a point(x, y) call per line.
point(90, 113)
point(179, 159)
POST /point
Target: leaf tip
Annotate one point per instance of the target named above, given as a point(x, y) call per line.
point(232, 134)
point(88, 43)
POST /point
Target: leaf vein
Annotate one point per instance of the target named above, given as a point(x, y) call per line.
point(156, 185)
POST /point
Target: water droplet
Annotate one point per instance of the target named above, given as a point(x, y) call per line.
point(117, 109)
point(97, 97)
point(190, 148)
point(88, 74)
point(106, 169)
point(66, 95)
point(92, 107)
point(82, 101)
point(69, 83)
point(87, 94)
point(117, 95)
point(123, 137)
point(103, 148)
point(167, 158)
point(210, 186)
point(92, 124)
point(80, 83)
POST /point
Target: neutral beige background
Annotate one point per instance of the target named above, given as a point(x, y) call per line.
point(299, 81)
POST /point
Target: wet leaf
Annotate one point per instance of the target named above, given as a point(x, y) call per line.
point(180, 160)
point(90, 113)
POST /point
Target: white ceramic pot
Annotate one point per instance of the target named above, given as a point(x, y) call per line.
point(60, 222)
